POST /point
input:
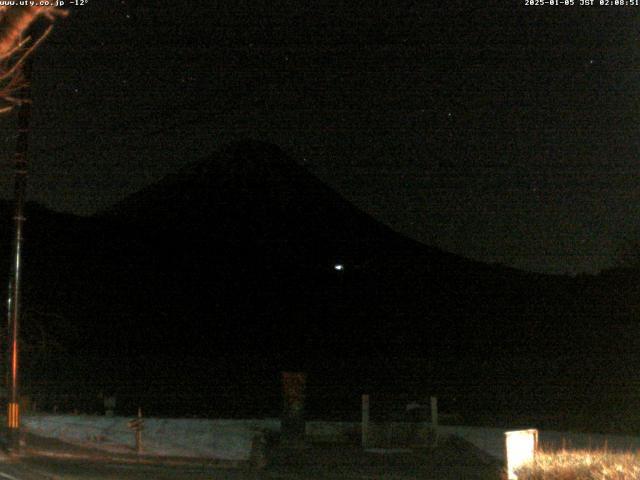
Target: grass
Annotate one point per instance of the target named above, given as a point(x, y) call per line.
point(582, 465)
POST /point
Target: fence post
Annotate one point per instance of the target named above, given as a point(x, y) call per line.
point(137, 425)
point(365, 421)
point(139, 432)
point(434, 418)
point(293, 424)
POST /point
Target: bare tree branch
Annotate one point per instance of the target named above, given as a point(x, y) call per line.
point(16, 46)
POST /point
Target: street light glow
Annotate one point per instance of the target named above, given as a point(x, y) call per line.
point(338, 267)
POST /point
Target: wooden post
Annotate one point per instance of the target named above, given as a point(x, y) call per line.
point(434, 418)
point(365, 421)
point(138, 441)
point(139, 432)
point(293, 424)
point(137, 425)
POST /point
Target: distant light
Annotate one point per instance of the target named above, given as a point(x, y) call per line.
point(521, 449)
point(338, 267)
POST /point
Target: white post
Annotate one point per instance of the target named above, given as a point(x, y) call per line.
point(365, 421)
point(139, 432)
point(434, 418)
point(521, 446)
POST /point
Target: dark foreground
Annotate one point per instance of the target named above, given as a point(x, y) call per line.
point(452, 460)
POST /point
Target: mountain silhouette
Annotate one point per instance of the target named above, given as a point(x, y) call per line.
point(266, 240)
point(243, 264)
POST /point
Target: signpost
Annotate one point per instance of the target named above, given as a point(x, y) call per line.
point(137, 425)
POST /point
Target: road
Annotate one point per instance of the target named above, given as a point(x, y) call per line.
point(454, 460)
point(47, 469)
point(389, 468)
point(58, 469)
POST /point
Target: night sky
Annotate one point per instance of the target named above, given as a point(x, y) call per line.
point(503, 132)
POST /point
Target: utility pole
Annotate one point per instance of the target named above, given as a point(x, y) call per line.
point(20, 161)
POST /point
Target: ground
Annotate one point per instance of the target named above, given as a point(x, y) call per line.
point(453, 460)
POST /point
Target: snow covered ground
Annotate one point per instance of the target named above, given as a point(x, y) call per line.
point(199, 438)
point(194, 438)
point(235, 440)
